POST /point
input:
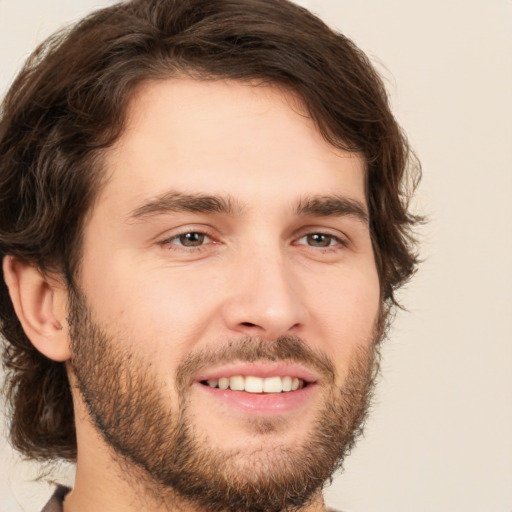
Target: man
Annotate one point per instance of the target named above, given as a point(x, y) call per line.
point(203, 221)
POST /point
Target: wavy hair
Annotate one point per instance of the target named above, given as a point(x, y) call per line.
point(67, 105)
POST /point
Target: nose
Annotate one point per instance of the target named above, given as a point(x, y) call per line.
point(265, 297)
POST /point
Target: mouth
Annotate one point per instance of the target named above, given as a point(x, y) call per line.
point(260, 389)
point(253, 384)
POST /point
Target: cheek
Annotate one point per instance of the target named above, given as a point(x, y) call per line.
point(345, 314)
point(163, 311)
point(180, 301)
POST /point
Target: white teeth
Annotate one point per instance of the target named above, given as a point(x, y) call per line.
point(223, 383)
point(287, 383)
point(252, 384)
point(272, 385)
point(237, 383)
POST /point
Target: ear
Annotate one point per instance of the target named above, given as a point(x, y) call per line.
point(40, 304)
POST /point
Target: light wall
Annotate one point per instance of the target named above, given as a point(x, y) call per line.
point(440, 435)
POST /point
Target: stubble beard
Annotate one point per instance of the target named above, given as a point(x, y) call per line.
point(159, 443)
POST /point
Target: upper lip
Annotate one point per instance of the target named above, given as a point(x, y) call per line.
point(258, 369)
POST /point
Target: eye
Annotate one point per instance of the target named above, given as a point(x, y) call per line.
point(191, 239)
point(321, 240)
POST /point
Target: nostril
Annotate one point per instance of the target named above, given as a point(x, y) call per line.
point(248, 324)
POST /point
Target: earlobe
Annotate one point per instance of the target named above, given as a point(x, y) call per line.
point(40, 305)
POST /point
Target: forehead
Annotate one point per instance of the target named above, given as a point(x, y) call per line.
point(223, 136)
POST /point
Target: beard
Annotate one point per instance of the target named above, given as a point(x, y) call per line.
point(158, 443)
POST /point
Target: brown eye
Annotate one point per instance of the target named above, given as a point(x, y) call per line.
point(192, 239)
point(320, 240)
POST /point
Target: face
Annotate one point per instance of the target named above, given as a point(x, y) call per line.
point(224, 334)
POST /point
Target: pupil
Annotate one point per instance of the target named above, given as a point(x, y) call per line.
point(319, 240)
point(192, 239)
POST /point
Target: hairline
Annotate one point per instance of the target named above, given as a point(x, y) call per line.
point(97, 159)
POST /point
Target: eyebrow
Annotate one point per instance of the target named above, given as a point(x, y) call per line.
point(179, 202)
point(332, 206)
point(314, 206)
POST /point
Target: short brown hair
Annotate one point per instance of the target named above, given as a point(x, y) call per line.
point(68, 104)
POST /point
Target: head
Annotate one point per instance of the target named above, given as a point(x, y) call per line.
point(103, 100)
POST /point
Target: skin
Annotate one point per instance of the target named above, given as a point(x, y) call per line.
point(260, 271)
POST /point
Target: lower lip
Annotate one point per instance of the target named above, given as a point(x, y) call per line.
point(261, 403)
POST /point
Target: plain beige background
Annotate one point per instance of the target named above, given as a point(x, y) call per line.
point(440, 434)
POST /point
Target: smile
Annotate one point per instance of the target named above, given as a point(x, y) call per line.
point(259, 388)
point(252, 384)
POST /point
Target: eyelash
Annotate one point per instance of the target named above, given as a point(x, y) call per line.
point(338, 242)
point(170, 242)
point(335, 242)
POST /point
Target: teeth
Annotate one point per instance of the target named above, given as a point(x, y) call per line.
point(272, 385)
point(287, 383)
point(223, 383)
point(236, 383)
point(252, 384)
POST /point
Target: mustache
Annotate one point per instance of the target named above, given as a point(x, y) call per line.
point(252, 349)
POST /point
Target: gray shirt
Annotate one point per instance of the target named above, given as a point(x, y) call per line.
point(56, 501)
